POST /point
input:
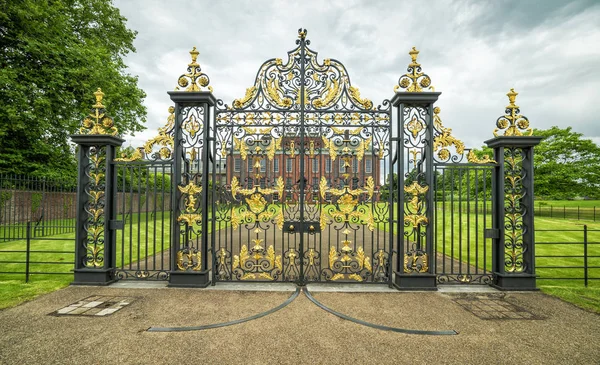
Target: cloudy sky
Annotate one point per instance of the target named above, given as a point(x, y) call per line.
point(474, 51)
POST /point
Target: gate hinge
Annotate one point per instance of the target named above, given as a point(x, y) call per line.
point(492, 233)
point(116, 225)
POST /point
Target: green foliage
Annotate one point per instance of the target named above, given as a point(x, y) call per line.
point(566, 165)
point(54, 55)
point(36, 201)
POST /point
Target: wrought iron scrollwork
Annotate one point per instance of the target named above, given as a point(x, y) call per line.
point(414, 80)
point(194, 79)
point(95, 172)
point(514, 210)
point(512, 122)
point(98, 122)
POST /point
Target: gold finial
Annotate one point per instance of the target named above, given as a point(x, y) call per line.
point(513, 123)
point(99, 95)
point(97, 122)
point(194, 79)
point(512, 95)
point(414, 80)
point(302, 33)
point(194, 53)
point(413, 54)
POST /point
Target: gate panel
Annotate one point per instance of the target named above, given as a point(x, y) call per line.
point(463, 213)
point(143, 203)
point(300, 164)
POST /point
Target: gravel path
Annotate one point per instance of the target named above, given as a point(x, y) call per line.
point(299, 333)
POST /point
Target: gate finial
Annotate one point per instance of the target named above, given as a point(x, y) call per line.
point(513, 123)
point(194, 79)
point(414, 80)
point(97, 122)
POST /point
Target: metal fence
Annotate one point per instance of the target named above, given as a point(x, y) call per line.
point(564, 212)
point(41, 255)
point(48, 204)
point(561, 259)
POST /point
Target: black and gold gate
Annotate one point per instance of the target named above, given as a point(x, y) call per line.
point(297, 168)
point(304, 180)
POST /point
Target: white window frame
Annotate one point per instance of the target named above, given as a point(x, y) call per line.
point(237, 164)
point(289, 163)
point(315, 165)
point(369, 166)
point(276, 165)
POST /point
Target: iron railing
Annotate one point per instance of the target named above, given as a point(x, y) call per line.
point(19, 260)
point(48, 204)
point(564, 212)
point(569, 260)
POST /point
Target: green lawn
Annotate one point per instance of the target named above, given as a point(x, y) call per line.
point(13, 290)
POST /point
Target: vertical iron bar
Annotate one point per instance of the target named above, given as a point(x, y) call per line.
point(205, 187)
point(301, 147)
point(27, 252)
point(585, 255)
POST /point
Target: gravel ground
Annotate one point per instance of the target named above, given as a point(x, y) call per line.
point(299, 333)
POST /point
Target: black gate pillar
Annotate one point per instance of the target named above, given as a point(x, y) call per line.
point(194, 111)
point(512, 185)
point(414, 145)
point(96, 185)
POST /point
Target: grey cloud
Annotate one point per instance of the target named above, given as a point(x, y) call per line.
point(474, 51)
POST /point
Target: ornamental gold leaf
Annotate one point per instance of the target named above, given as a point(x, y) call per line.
point(355, 96)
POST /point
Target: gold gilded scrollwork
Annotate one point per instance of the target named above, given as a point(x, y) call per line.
point(274, 91)
point(245, 101)
point(514, 227)
point(416, 262)
point(414, 80)
point(94, 207)
point(164, 139)
point(444, 138)
point(348, 264)
point(194, 79)
point(189, 259)
point(355, 95)
point(97, 122)
point(347, 205)
point(513, 123)
point(471, 157)
point(256, 203)
point(415, 217)
point(257, 263)
point(190, 216)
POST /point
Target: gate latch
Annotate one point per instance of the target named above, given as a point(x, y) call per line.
point(114, 225)
point(492, 233)
point(302, 227)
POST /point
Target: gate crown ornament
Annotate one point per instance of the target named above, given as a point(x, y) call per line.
point(414, 80)
point(97, 122)
point(194, 79)
point(513, 123)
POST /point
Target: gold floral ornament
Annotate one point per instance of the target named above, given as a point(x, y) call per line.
point(414, 80)
point(164, 140)
point(194, 79)
point(513, 123)
point(97, 122)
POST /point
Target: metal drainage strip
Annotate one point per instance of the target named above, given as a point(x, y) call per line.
point(318, 304)
point(230, 323)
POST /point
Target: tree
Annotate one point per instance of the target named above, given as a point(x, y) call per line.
point(566, 165)
point(53, 56)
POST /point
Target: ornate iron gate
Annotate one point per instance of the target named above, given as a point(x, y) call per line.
point(298, 167)
point(304, 180)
